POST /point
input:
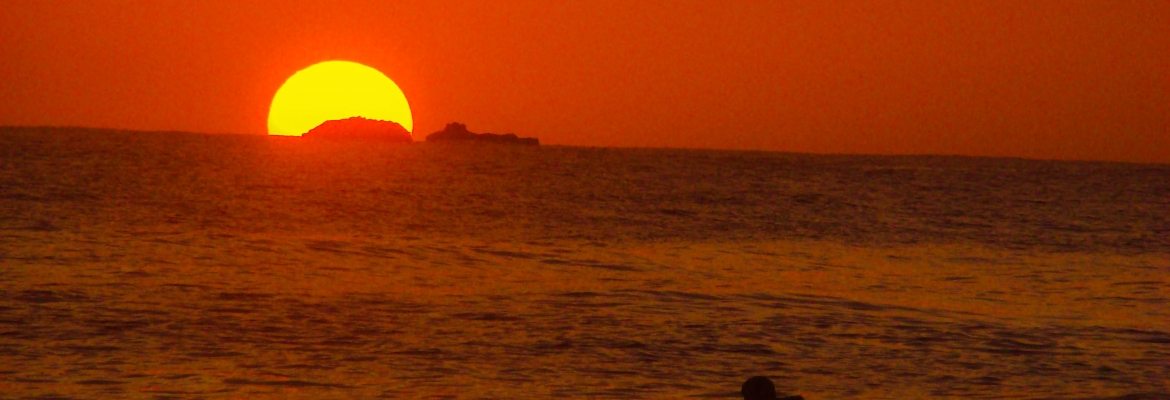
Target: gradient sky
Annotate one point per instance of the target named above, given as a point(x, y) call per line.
point(1059, 79)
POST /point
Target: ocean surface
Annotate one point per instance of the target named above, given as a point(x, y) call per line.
point(173, 265)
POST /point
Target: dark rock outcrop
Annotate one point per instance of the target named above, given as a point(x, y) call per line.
point(358, 128)
point(457, 132)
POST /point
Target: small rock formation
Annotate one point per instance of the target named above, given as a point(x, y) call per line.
point(457, 132)
point(358, 128)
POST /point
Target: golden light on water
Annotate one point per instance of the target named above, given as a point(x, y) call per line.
point(336, 90)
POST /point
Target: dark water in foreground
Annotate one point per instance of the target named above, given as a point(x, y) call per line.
point(157, 265)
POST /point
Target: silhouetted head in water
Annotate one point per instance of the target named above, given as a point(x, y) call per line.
point(758, 388)
point(761, 388)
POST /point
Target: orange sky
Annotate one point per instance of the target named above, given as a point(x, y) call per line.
point(1043, 79)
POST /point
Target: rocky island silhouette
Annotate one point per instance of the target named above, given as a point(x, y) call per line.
point(364, 129)
point(359, 128)
point(457, 132)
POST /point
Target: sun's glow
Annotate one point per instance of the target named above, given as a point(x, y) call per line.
point(335, 90)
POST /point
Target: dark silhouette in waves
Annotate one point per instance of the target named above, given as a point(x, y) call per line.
point(761, 388)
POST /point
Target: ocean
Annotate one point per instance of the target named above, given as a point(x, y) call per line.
point(158, 265)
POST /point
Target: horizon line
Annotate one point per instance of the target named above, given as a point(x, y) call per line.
point(1080, 160)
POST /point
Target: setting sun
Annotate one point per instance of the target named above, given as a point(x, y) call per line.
point(336, 90)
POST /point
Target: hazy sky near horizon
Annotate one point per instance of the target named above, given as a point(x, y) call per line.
point(1066, 79)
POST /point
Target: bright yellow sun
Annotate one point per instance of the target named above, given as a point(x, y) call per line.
point(336, 90)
